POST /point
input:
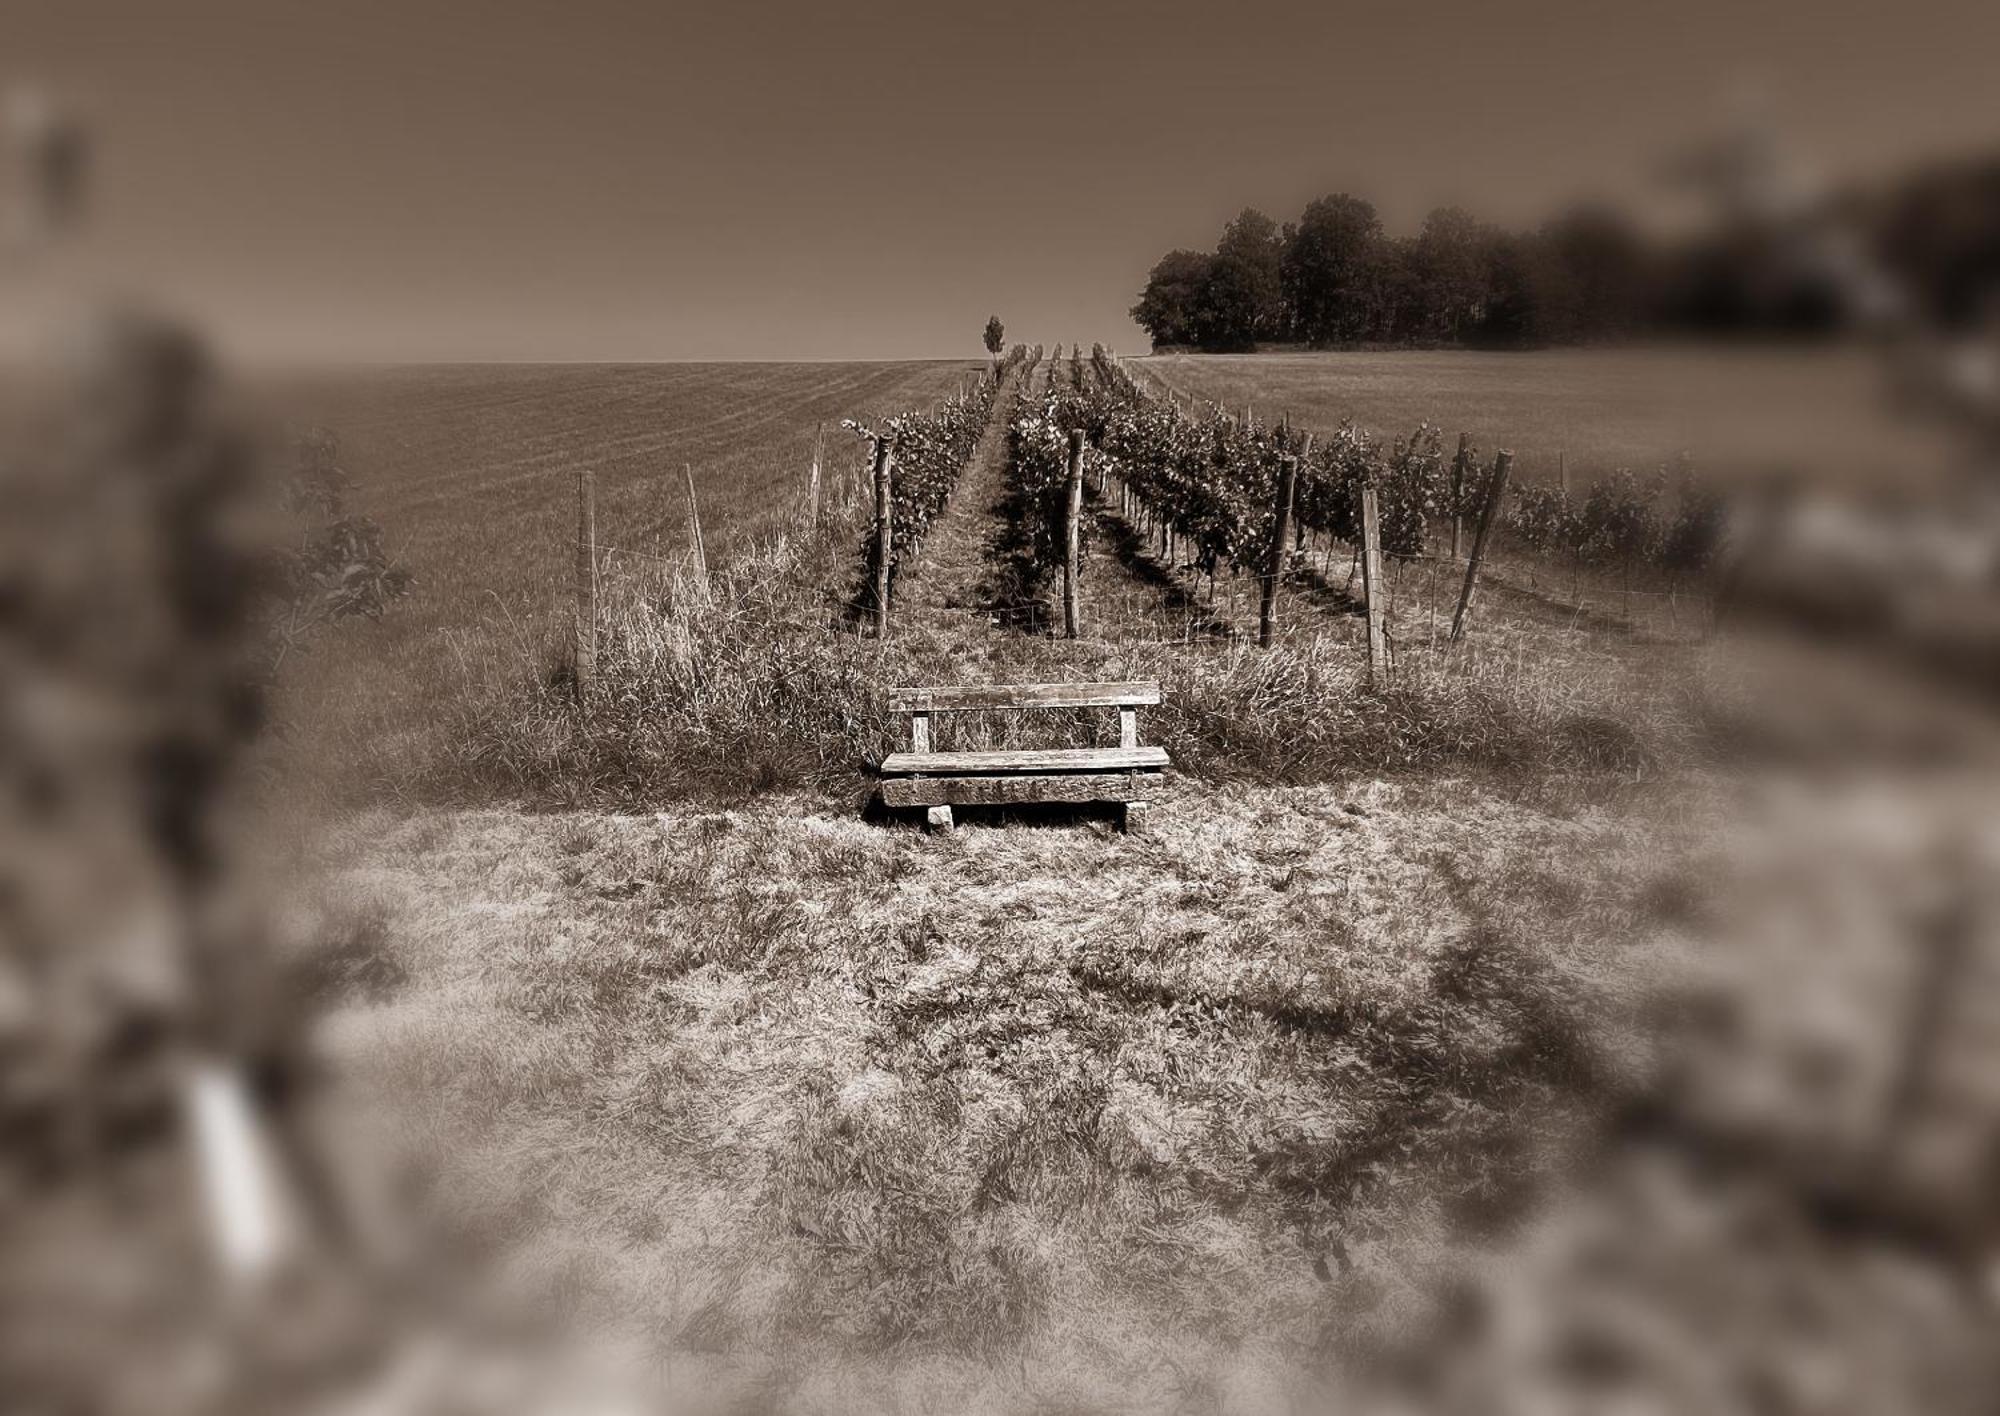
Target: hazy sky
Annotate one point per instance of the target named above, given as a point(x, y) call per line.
point(594, 180)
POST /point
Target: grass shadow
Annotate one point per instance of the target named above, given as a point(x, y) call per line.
point(855, 610)
point(1320, 588)
point(1034, 816)
point(1138, 561)
point(1017, 595)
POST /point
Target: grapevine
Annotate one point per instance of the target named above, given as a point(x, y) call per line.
point(931, 450)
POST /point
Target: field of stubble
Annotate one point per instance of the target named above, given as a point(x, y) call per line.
point(1737, 412)
point(471, 471)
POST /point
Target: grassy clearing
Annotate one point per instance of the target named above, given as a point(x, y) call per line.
point(471, 470)
point(1563, 1088)
point(1036, 1115)
point(1739, 412)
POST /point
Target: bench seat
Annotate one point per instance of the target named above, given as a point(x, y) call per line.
point(1127, 776)
point(1060, 759)
point(1110, 788)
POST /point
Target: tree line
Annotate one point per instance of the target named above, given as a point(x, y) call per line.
point(1335, 277)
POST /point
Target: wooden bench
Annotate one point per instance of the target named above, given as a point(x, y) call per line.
point(1126, 776)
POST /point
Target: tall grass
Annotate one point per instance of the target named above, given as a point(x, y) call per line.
point(753, 679)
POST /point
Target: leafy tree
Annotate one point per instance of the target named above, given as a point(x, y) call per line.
point(996, 340)
point(1246, 279)
point(1512, 317)
point(1403, 312)
point(1595, 277)
point(1331, 268)
point(1450, 271)
point(1226, 310)
point(1166, 309)
point(1584, 276)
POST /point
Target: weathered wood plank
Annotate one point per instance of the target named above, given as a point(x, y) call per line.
point(1014, 791)
point(1458, 466)
point(1072, 531)
point(1496, 492)
point(586, 581)
point(920, 732)
point(1060, 759)
point(1022, 695)
point(1374, 590)
point(1281, 546)
point(885, 471)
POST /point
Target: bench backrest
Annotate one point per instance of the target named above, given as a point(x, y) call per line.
point(920, 703)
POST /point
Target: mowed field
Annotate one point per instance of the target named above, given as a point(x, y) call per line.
point(471, 472)
point(1738, 412)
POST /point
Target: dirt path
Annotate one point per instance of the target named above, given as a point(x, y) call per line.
point(957, 584)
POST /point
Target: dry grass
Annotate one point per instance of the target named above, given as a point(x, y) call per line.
point(1041, 1115)
point(754, 681)
point(471, 471)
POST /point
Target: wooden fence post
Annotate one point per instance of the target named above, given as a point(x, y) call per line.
point(1496, 491)
point(694, 529)
point(1072, 610)
point(1458, 465)
point(1281, 545)
point(1298, 524)
point(1373, 590)
point(885, 458)
point(586, 581)
point(812, 483)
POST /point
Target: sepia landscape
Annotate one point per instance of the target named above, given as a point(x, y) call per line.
point(1395, 815)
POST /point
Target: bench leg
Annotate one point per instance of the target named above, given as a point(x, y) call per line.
point(938, 818)
point(1132, 818)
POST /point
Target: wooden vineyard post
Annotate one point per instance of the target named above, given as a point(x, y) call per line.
point(694, 530)
point(1281, 545)
point(586, 581)
point(885, 458)
point(1458, 464)
point(1072, 610)
point(1298, 524)
point(1373, 589)
point(812, 482)
point(1496, 490)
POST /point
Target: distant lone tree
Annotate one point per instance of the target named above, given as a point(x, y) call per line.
point(996, 340)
